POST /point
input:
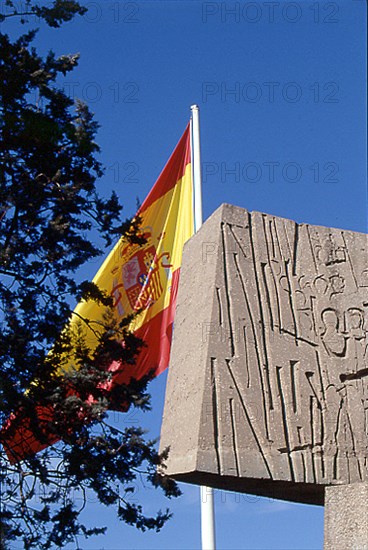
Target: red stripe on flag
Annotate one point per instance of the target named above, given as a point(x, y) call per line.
point(156, 335)
point(173, 171)
point(18, 438)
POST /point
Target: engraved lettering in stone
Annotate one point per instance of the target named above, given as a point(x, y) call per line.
point(357, 338)
point(333, 340)
point(364, 278)
point(320, 285)
point(332, 254)
point(287, 354)
point(337, 284)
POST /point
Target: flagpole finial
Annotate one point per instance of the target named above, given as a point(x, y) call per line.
point(194, 107)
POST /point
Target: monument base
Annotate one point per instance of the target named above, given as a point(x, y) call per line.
point(346, 517)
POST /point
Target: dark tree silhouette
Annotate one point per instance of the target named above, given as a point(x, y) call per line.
point(48, 207)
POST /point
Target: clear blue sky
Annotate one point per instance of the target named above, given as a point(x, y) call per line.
point(281, 87)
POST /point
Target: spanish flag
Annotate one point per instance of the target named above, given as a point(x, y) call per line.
point(143, 280)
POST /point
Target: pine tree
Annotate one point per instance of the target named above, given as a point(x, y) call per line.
point(49, 205)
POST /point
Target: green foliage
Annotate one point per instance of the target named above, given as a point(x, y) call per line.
point(48, 206)
point(55, 15)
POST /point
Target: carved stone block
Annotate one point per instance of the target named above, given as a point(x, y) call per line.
point(268, 384)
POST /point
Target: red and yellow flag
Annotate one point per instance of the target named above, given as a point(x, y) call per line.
point(145, 277)
point(140, 278)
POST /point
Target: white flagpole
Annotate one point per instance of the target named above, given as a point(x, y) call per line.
point(207, 501)
point(196, 167)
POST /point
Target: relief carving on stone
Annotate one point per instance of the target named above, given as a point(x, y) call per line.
point(286, 352)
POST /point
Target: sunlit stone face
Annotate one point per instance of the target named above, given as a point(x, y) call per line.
point(268, 382)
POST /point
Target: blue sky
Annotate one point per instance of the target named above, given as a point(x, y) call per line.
point(281, 88)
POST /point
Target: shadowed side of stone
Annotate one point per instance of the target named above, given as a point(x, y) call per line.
point(268, 389)
point(187, 384)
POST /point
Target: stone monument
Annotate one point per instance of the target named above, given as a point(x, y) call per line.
point(268, 384)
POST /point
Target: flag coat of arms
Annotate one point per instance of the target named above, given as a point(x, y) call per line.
point(142, 279)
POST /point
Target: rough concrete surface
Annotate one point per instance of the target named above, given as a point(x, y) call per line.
point(268, 383)
point(346, 517)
